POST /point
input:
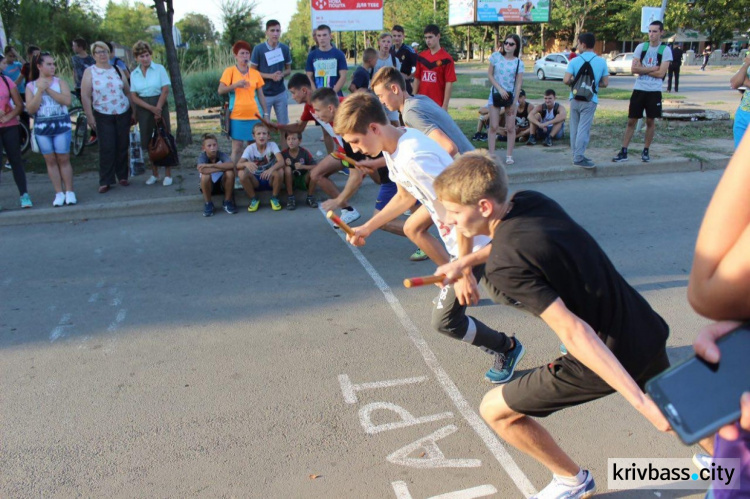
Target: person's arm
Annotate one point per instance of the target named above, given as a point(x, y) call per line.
point(34, 100)
point(401, 202)
point(568, 77)
point(518, 86)
point(18, 103)
point(353, 184)
point(448, 92)
point(311, 77)
point(583, 344)
point(162, 99)
point(561, 115)
point(86, 98)
point(277, 165)
point(740, 77)
point(660, 71)
point(443, 141)
point(533, 115)
point(719, 286)
point(604, 82)
point(225, 89)
point(340, 82)
point(417, 78)
point(129, 95)
point(455, 269)
point(298, 127)
point(467, 291)
point(262, 101)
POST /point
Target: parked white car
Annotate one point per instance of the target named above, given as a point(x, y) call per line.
point(551, 66)
point(621, 64)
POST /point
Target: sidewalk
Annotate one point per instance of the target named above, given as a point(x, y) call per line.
point(533, 164)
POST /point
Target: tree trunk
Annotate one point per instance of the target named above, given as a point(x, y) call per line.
point(165, 14)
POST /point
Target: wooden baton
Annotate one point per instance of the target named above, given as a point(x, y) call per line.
point(423, 281)
point(340, 223)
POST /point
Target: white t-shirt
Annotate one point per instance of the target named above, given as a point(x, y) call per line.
point(418, 160)
point(265, 160)
point(504, 71)
point(645, 82)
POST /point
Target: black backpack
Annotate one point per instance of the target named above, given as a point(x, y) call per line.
point(659, 54)
point(584, 84)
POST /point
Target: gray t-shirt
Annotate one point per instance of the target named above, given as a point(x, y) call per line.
point(422, 113)
point(645, 82)
point(262, 53)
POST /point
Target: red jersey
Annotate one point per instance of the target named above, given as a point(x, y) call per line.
point(433, 72)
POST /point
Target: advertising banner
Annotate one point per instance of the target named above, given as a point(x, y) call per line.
point(503, 12)
point(348, 15)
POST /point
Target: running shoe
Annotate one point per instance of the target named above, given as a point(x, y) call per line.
point(26, 201)
point(621, 157)
point(645, 157)
point(70, 197)
point(208, 209)
point(418, 256)
point(291, 203)
point(275, 205)
point(254, 205)
point(311, 202)
point(558, 490)
point(505, 364)
point(229, 206)
point(349, 216)
point(59, 200)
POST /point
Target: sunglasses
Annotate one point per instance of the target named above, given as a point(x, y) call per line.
point(509, 44)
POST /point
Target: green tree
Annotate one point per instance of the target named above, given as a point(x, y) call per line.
point(127, 24)
point(197, 29)
point(568, 17)
point(240, 23)
point(298, 35)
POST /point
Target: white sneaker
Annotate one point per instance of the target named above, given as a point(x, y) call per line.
point(152, 180)
point(167, 181)
point(70, 197)
point(558, 490)
point(59, 199)
point(702, 461)
point(349, 216)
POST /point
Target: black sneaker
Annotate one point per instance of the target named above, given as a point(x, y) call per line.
point(645, 156)
point(311, 202)
point(548, 141)
point(477, 136)
point(484, 137)
point(208, 209)
point(621, 157)
point(585, 163)
point(531, 141)
point(229, 207)
point(291, 203)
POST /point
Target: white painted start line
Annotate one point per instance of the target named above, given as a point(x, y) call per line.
point(475, 421)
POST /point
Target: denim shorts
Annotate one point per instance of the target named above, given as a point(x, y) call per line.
point(49, 144)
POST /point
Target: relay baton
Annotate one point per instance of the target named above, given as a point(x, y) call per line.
point(340, 223)
point(423, 281)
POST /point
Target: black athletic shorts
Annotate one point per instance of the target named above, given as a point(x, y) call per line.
point(216, 187)
point(640, 100)
point(566, 382)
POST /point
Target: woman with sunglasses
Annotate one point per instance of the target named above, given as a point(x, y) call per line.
point(47, 99)
point(105, 95)
point(506, 76)
point(11, 106)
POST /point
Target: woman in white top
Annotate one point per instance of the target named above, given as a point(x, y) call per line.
point(105, 95)
point(47, 99)
point(149, 89)
point(506, 76)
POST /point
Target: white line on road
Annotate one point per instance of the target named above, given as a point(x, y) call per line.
point(488, 436)
point(118, 320)
point(59, 330)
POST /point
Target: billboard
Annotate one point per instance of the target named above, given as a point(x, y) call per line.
point(462, 12)
point(348, 15)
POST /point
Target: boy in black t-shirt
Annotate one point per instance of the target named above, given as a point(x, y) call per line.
point(299, 162)
point(544, 263)
point(361, 77)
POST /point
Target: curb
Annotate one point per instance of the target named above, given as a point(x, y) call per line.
point(184, 204)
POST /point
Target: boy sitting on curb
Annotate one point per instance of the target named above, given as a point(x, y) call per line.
point(297, 165)
point(217, 175)
point(261, 167)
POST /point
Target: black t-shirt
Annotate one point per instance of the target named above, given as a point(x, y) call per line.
point(540, 254)
point(408, 60)
point(361, 78)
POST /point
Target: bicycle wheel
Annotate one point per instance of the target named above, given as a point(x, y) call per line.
point(24, 137)
point(80, 134)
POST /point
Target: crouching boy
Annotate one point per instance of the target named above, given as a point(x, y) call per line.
point(217, 175)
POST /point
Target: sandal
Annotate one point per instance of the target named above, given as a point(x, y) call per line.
point(509, 160)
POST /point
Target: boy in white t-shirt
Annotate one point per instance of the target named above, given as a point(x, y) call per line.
point(261, 167)
point(414, 161)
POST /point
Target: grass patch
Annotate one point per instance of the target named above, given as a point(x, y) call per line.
point(715, 102)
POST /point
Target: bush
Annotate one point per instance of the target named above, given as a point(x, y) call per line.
point(201, 89)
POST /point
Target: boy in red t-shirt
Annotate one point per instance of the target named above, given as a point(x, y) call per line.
point(435, 71)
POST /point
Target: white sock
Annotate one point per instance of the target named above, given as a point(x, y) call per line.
point(571, 481)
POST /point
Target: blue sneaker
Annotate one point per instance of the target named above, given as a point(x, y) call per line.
point(208, 209)
point(558, 490)
point(505, 364)
point(229, 207)
point(563, 350)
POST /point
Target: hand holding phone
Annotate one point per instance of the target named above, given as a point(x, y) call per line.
point(697, 396)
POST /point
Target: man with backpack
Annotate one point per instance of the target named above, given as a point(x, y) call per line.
point(650, 62)
point(586, 74)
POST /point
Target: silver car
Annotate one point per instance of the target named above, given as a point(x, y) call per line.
point(551, 66)
point(621, 64)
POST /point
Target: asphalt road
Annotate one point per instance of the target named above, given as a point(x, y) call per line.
point(257, 355)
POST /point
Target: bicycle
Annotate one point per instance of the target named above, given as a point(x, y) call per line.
point(80, 137)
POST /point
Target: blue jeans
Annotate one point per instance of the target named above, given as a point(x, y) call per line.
point(581, 118)
point(54, 144)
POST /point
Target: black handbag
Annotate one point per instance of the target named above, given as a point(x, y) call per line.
point(497, 98)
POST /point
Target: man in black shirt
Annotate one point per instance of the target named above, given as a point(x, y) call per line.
point(674, 68)
point(541, 261)
point(405, 54)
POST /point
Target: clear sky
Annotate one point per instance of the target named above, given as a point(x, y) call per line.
point(282, 10)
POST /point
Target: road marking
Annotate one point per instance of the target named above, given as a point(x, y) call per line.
point(350, 390)
point(488, 436)
point(407, 419)
point(402, 492)
point(118, 320)
point(433, 457)
point(59, 330)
